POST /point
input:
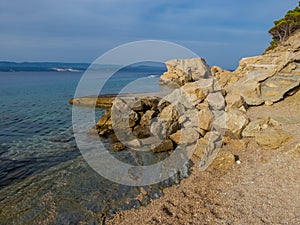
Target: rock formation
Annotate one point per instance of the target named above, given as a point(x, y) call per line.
point(209, 103)
point(182, 71)
point(266, 78)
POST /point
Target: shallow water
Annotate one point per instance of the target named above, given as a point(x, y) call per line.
point(43, 177)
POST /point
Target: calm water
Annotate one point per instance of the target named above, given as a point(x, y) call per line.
point(43, 178)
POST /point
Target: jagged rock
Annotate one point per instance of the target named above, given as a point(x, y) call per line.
point(194, 93)
point(255, 126)
point(234, 100)
point(185, 136)
point(178, 99)
point(225, 78)
point(150, 143)
point(216, 101)
point(151, 102)
point(104, 125)
point(268, 78)
point(103, 119)
point(162, 104)
point(270, 138)
point(200, 148)
point(118, 146)
point(205, 119)
point(138, 106)
point(172, 128)
point(274, 88)
point(232, 123)
point(206, 84)
point(146, 118)
point(169, 113)
point(141, 132)
point(134, 119)
point(224, 161)
point(207, 148)
point(134, 144)
point(156, 128)
point(166, 145)
point(251, 92)
point(181, 71)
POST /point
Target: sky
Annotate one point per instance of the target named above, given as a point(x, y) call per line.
point(82, 30)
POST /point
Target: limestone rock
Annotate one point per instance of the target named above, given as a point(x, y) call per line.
point(194, 93)
point(205, 119)
point(270, 138)
point(138, 106)
point(270, 77)
point(185, 136)
point(234, 100)
point(104, 125)
point(146, 118)
point(169, 113)
point(216, 101)
point(225, 78)
point(134, 144)
point(232, 122)
point(257, 125)
point(141, 132)
point(151, 102)
point(118, 146)
point(200, 148)
point(134, 118)
point(224, 161)
point(181, 71)
point(103, 119)
point(166, 145)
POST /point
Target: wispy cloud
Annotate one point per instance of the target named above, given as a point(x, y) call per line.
point(56, 30)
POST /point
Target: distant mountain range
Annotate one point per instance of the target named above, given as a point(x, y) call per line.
point(6, 66)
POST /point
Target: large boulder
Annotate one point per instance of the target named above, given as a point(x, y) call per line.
point(271, 138)
point(232, 123)
point(216, 101)
point(256, 126)
point(165, 145)
point(185, 136)
point(225, 78)
point(181, 71)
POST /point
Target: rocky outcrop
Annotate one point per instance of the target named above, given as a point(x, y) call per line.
point(207, 105)
point(266, 78)
point(266, 132)
point(182, 71)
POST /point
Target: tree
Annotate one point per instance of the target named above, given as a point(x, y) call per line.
point(284, 27)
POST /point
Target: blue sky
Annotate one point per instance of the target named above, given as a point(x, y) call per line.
point(81, 30)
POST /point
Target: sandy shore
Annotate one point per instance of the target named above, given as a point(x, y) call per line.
point(263, 189)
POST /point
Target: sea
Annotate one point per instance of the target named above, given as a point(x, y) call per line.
point(43, 177)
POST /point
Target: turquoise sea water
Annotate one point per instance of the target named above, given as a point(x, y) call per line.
point(43, 177)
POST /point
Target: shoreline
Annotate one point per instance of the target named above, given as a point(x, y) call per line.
point(251, 113)
point(253, 179)
point(262, 189)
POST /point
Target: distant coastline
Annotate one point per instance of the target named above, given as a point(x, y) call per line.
point(6, 66)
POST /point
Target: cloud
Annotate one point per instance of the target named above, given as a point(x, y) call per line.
point(54, 29)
